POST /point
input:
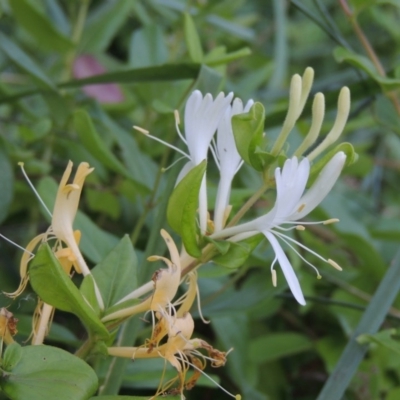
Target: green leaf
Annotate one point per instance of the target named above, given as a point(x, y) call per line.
point(116, 275)
point(238, 252)
point(383, 338)
point(274, 346)
point(23, 61)
point(147, 47)
point(94, 144)
point(6, 184)
point(229, 57)
point(103, 24)
point(248, 129)
point(387, 84)
point(192, 39)
point(221, 245)
point(45, 373)
point(182, 208)
point(40, 27)
point(209, 80)
point(167, 72)
point(55, 287)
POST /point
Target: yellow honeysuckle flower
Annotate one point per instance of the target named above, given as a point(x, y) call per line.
point(61, 228)
point(181, 352)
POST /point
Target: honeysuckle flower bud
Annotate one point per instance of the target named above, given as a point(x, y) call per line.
point(227, 159)
point(291, 205)
point(202, 116)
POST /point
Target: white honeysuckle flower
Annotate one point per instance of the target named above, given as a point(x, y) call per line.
point(291, 205)
point(228, 160)
point(202, 116)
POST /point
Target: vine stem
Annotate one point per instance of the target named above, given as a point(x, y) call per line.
point(249, 203)
point(368, 49)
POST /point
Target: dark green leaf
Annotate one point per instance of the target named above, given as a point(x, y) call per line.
point(40, 27)
point(147, 47)
point(55, 287)
point(45, 373)
point(103, 25)
point(94, 144)
point(23, 61)
point(182, 208)
point(116, 274)
point(274, 346)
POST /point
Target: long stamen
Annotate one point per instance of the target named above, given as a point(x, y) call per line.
point(177, 123)
point(214, 152)
point(21, 164)
point(282, 236)
point(141, 130)
point(285, 239)
point(236, 397)
point(199, 306)
point(174, 163)
point(15, 244)
point(274, 277)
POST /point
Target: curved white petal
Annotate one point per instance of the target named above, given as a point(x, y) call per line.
point(202, 115)
point(321, 187)
point(290, 186)
point(287, 269)
point(228, 158)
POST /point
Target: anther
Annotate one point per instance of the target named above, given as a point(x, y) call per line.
point(274, 277)
point(301, 208)
point(141, 130)
point(335, 265)
point(300, 228)
point(331, 221)
point(177, 118)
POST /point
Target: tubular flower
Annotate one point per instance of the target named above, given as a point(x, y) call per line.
point(181, 352)
point(291, 205)
point(61, 228)
point(227, 159)
point(202, 116)
point(164, 281)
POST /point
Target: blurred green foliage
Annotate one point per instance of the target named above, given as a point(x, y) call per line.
point(154, 54)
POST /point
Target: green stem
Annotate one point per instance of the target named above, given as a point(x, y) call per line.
point(76, 36)
point(249, 203)
point(86, 348)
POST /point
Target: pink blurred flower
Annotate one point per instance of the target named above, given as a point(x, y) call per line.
point(86, 66)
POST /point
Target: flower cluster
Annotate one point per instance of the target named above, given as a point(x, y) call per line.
point(205, 117)
point(300, 187)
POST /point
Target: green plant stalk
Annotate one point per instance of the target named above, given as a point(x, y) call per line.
point(369, 50)
point(249, 203)
point(370, 323)
point(76, 36)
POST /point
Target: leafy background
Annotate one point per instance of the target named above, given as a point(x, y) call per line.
point(154, 56)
